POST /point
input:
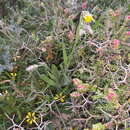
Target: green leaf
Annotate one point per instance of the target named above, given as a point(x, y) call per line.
point(127, 128)
point(64, 55)
point(55, 71)
point(52, 76)
point(48, 80)
point(129, 7)
point(19, 114)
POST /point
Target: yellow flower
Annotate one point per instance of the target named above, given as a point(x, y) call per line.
point(30, 117)
point(87, 17)
point(59, 97)
point(13, 74)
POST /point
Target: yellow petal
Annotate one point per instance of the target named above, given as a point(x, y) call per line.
point(88, 18)
point(57, 95)
point(34, 120)
point(30, 122)
point(62, 100)
point(63, 96)
point(29, 114)
point(55, 98)
point(15, 74)
point(11, 74)
point(33, 114)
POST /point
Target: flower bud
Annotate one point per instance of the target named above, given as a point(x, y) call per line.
point(111, 94)
point(111, 12)
point(82, 88)
point(114, 13)
point(117, 12)
point(84, 5)
point(128, 33)
point(113, 98)
point(70, 36)
point(66, 11)
point(127, 18)
point(116, 43)
point(76, 81)
point(75, 94)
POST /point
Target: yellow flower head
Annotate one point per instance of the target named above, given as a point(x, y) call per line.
point(13, 74)
point(30, 117)
point(59, 97)
point(87, 17)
